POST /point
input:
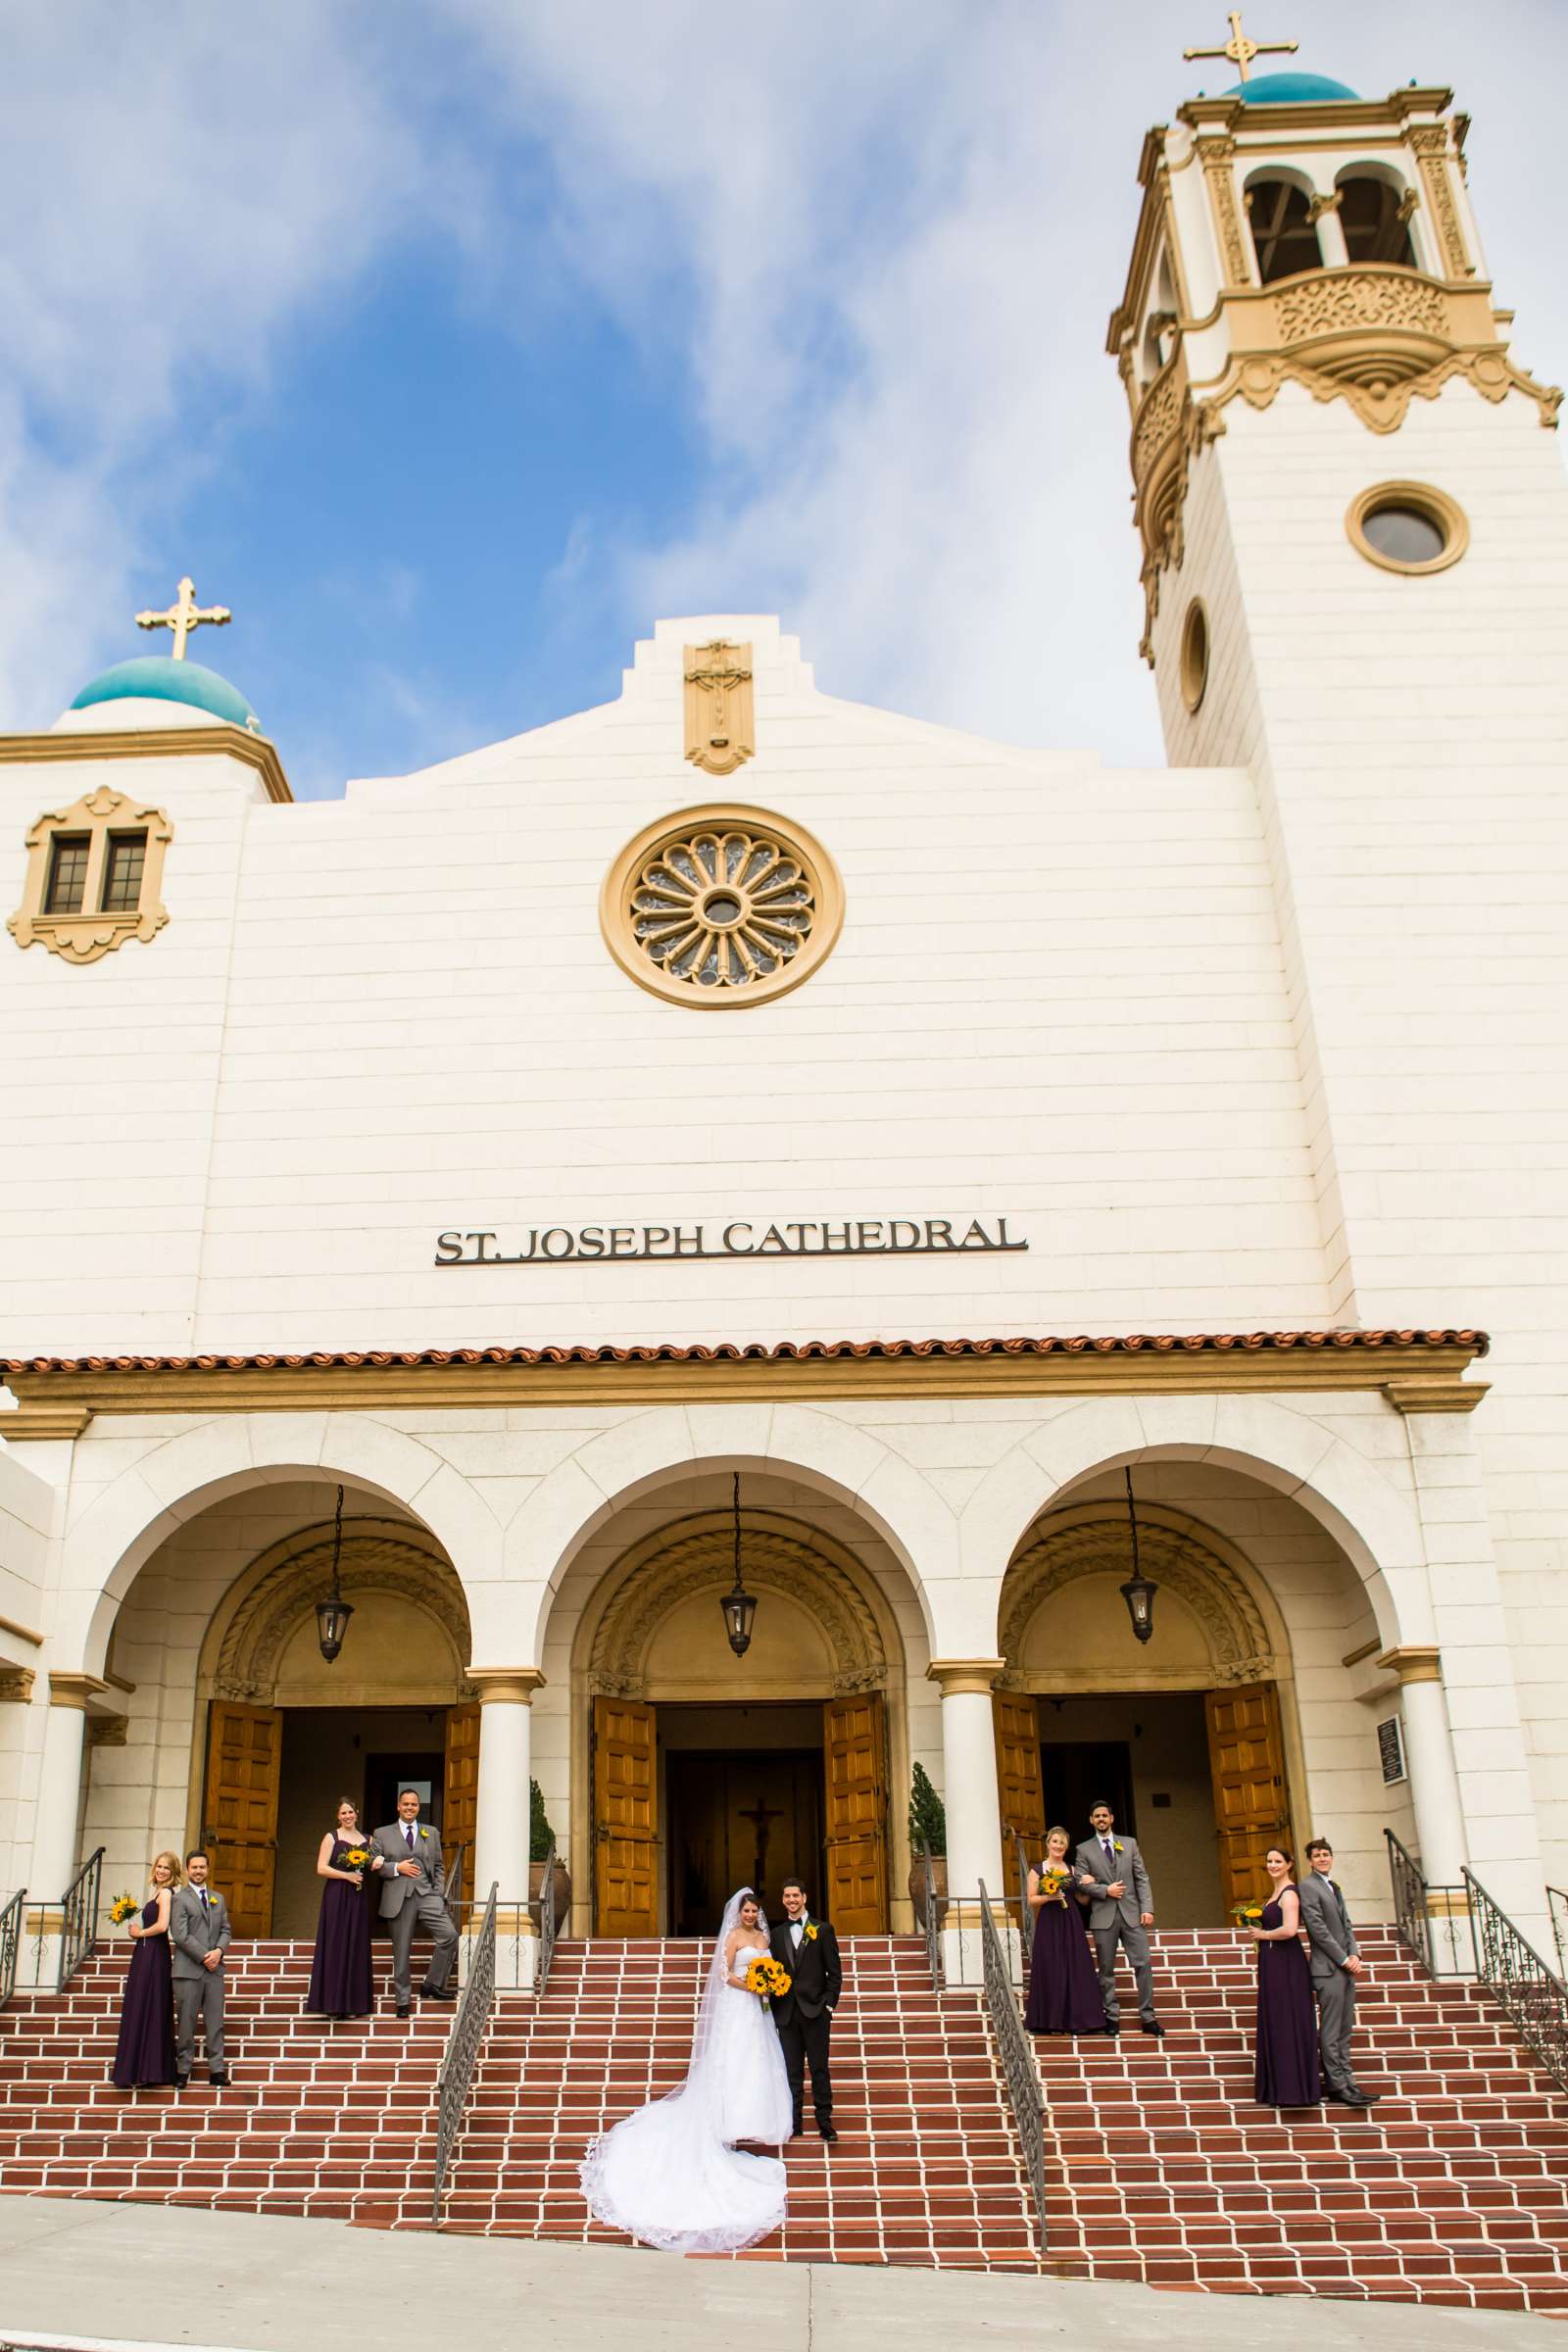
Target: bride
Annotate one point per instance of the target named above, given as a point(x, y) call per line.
point(670, 2175)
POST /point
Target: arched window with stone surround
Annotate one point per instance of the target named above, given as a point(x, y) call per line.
point(1375, 216)
point(1284, 230)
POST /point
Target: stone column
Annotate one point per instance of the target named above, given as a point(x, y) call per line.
point(54, 1826)
point(973, 1807)
point(501, 1833)
point(1325, 212)
point(1429, 1758)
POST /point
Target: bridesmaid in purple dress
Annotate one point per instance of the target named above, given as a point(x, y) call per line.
point(144, 2054)
point(1064, 1988)
point(1287, 2021)
point(340, 1972)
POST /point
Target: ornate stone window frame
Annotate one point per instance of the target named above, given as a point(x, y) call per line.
point(82, 937)
point(1195, 654)
point(1442, 511)
point(617, 913)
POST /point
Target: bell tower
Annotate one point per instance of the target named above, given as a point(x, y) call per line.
point(1353, 529)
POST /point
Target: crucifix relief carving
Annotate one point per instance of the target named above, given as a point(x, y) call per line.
point(720, 730)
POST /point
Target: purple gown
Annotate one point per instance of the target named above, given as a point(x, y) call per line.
point(340, 1971)
point(1287, 2021)
point(144, 2054)
point(1063, 1987)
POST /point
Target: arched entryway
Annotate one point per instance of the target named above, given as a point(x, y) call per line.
point(241, 1737)
point(693, 1770)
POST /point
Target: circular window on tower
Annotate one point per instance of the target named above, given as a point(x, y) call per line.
point(1195, 654)
point(721, 906)
point(1408, 527)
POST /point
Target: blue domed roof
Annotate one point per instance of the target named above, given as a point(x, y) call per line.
point(157, 678)
point(1289, 89)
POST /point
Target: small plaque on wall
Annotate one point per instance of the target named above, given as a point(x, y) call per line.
point(1391, 1750)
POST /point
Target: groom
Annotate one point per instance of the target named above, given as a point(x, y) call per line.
point(808, 1948)
point(413, 1886)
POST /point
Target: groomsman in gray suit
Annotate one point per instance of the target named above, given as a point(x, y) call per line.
point(198, 1938)
point(1110, 1871)
point(1336, 1963)
point(413, 1886)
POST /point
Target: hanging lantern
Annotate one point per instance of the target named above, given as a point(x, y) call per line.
point(332, 1614)
point(739, 1605)
point(1139, 1590)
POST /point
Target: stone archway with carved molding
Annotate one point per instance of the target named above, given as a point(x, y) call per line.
point(280, 1587)
point(696, 1555)
point(1245, 1634)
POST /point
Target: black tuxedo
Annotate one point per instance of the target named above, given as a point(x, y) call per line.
point(803, 2014)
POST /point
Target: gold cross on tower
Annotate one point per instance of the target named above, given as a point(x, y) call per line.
point(1241, 51)
point(183, 615)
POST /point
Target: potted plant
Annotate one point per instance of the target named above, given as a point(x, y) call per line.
point(928, 1827)
point(541, 1838)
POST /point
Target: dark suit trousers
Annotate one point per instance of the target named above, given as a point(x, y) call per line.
point(806, 2041)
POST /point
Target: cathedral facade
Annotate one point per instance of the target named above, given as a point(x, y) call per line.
point(739, 1245)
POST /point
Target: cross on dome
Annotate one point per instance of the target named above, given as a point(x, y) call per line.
point(183, 615)
point(1241, 51)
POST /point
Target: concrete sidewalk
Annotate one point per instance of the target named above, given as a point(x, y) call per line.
point(168, 2275)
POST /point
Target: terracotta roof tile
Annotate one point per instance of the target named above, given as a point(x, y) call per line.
point(758, 1352)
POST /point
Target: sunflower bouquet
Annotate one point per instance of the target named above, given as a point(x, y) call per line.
point(1248, 1915)
point(358, 1857)
point(123, 1908)
point(1054, 1878)
point(767, 1978)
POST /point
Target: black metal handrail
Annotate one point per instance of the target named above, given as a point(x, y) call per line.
point(452, 1898)
point(547, 1923)
point(1018, 2068)
point(1020, 1860)
point(1520, 1982)
point(79, 1917)
point(469, 2028)
point(933, 1926)
point(1438, 1930)
point(10, 1943)
point(1557, 1906)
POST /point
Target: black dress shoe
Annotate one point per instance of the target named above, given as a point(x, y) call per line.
point(825, 2131)
point(1113, 2026)
point(1151, 2024)
point(180, 2082)
point(431, 1992)
point(219, 2082)
point(1359, 2099)
point(405, 2009)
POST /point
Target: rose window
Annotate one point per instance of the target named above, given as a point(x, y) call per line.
point(721, 906)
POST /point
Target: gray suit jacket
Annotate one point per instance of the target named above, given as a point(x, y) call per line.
point(393, 1848)
point(1327, 1921)
point(194, 1933)
point(1090, 1860)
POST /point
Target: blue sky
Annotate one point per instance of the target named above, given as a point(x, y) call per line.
point(450, 345)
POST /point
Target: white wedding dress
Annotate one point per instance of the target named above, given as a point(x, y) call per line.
point(669, 2174)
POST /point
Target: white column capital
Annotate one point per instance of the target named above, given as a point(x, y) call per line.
point(960, 1675)
point(74, 1690)
point(1414, 1662)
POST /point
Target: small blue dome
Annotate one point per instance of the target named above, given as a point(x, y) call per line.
point(157, 678)
point(1289, 89)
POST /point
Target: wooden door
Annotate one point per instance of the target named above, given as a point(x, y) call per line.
point(1252, 1809)
point(244, 1748)
point(1019, 1786)
point(626, 1790)
point(855, 1757)
point(460, 1800)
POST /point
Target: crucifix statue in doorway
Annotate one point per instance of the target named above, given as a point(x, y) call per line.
point(762, 1814)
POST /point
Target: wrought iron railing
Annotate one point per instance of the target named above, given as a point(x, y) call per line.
point(78, 1923)
point(1557, 1905)
point(933, 1924)
point(1018, 2068)
point(1492, 1950)
point(546, 1922)
point(1432, 1920)
point(1021, 1865)
point(452, 1898)
point(10, 1943)
point(1520, 1982)
point(463, 2044)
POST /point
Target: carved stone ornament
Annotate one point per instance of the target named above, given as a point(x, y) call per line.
point(288, 1579)
point(698, 1557)
point(1430, 140)
point(1096, 1542)
point(721, 906)
point(16, 1685)
point(720, 727)
point(82, 937)
point(107, 1731)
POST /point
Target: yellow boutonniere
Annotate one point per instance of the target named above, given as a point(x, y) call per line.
point(1119, 1847)
point(811, 1932)
point(426, 1833)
